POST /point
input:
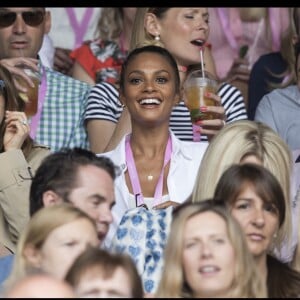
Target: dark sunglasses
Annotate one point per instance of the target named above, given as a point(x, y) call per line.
point(31, 18)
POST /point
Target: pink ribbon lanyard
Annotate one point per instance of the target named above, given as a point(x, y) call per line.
point(224, 19)
point(79, 28)
point(273, 17)
point(196, 133)
point(42, 93)
point(133, 175)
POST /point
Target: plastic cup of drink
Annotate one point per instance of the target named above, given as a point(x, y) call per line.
point(31, 96)
point(195, 88)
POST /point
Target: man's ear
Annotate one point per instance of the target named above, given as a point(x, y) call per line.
point(32, 255)
point(51, 198)
point(151, 24)
point(47, 22)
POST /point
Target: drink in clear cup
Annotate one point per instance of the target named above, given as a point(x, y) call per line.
point(31, 97)
point(195, 87)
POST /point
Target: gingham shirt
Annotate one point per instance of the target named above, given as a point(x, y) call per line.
point(61, 122)
point(103, 104)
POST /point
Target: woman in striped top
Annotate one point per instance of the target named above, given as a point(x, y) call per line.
point(106, 120)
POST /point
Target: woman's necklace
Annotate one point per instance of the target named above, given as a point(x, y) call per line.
point(134, 178)
point(150, 177)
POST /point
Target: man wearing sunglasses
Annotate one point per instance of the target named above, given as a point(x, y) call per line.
point(62, 99)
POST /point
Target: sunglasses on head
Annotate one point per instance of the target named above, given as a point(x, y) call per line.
point(31, 18)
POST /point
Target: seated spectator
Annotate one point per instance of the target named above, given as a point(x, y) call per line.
point(51, 241)
point(154, 162)
point(253, 142)
point(58, 122)
point(275, 69)
point(70, 27)
point(106, 117)
point(206, 256)
point(100, 60)
point(97, 273)
point(20, 156)
point(255, 198)
point(240, 36)
point(76, 176)
point(151, 152)
point(280, 109)
point(79, 177)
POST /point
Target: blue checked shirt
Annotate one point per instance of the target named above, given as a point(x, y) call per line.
point(61, 123)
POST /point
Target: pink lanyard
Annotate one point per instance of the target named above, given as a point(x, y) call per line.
point(273, 17)
point(133, 175)
point(79, 28)
point(42, 93)
point(224, 19)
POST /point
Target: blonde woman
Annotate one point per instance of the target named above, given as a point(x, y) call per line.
point(100, 60)
point(248, 141)
point(51, 241)
point(207, 256)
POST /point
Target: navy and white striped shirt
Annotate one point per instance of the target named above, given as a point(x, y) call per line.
point(103, 104)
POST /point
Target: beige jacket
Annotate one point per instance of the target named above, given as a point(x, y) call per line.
point(15, 180)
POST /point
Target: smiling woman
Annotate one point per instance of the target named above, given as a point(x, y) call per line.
point(149, 87)
point(180, 30)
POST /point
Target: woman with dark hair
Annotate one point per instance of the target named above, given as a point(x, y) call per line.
point(154, 162)
point(19, 158)
point(255, 198)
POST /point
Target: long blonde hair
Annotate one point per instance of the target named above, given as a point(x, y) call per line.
point(247, 282)
point(140, 36)
point(41, 224)
point(231, 145)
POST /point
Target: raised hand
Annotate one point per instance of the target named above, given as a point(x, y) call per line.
point(16, 130)
point(62, 61)
point(12, 64)
point(213, 126)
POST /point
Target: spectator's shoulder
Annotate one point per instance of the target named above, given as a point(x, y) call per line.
point(65, 79)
